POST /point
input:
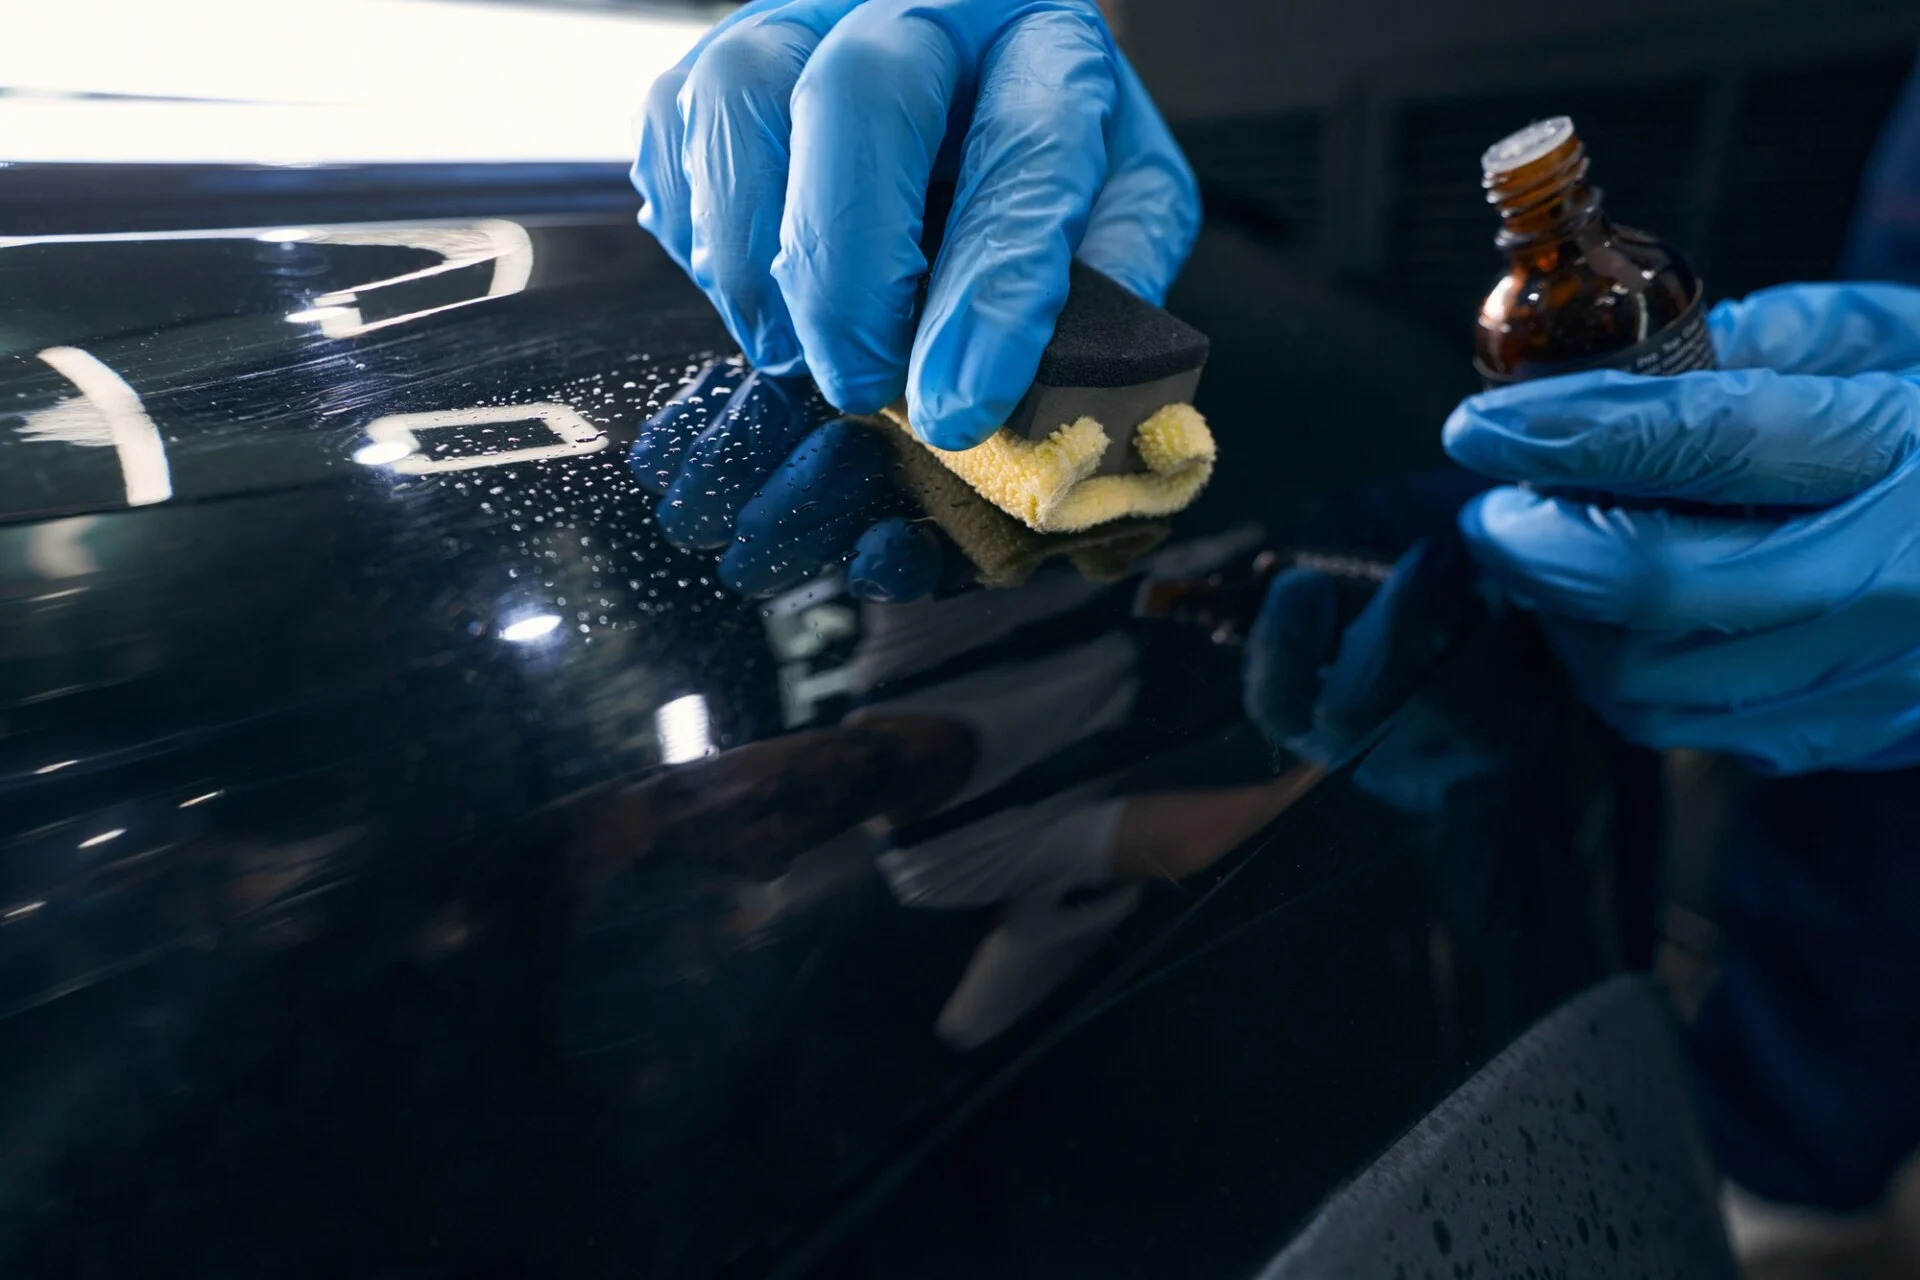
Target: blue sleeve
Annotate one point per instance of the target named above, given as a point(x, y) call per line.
point(1884, 241)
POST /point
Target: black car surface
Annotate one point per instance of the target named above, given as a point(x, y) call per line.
point(411, 865)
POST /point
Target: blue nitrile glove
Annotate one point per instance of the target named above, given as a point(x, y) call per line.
point(785, 165)
point(1329, 659)
point(764, 468)
point(1789, 636)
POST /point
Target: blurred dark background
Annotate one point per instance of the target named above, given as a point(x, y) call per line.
point(1348, 134)
point(1338, 148)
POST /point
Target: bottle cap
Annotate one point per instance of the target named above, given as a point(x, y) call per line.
point(1517, 150)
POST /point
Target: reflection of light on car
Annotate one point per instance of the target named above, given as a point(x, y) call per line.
point(103, 837)
point(533, 628)
point(381, 452)
point(55, 767)
point(479, 260)
point(570, 432)
point(58, 549)
point(143, 456)
point(211, 795)
point(315, 315)
point(685, 729)
point(21, 912)
point(503, 244)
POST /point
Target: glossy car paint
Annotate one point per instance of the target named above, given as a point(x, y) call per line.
point(413, 865)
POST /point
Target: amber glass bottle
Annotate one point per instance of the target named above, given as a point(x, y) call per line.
point(1578, 292)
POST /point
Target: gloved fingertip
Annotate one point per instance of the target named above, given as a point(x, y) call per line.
point(1496, 513)
point(779, 361)
point(967, 377)
point(649, 467)
point(1457, 433)
point(663, 440)
point(859, 393)
point(748, 571)
point(895, 561)
point(1294, 635)
point(767, 341)
point(1492, 526)
point(686, 526)
point(1487, 518)
point(950, 422)
point(956, 433)
point(1485, 432)
point(692, 514)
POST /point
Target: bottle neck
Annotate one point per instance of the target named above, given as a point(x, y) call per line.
point(1545, 200)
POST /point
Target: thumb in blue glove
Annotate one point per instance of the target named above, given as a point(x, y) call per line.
point(785, 165)
point(1793, 642)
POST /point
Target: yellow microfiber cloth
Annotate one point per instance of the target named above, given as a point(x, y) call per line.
point(1003, 552)
point(1050, 486)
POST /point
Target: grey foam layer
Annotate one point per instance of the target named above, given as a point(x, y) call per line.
point(1045, 409)
point(1115, 358)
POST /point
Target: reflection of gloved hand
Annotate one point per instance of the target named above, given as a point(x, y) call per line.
point(1329, 658)
point(785, 165)
point(1791, 640)
point(762, 467)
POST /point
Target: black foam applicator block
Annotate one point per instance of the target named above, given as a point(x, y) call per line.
point(1108, 337)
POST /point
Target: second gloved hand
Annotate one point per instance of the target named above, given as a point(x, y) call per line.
point(1783, 627)
point(785, 165)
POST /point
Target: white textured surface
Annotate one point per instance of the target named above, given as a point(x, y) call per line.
point(1526, 145)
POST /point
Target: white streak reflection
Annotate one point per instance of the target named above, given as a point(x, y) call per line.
point(315, 315)
point(504, 244)
point(143, 455)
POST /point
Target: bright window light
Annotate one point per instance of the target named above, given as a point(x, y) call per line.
point(328, 81)
point(686, 731)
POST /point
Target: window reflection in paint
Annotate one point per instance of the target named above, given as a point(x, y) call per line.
point(685, 729)
point(530, 629)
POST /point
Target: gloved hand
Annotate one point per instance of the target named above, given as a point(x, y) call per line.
point(764, 468)
point(785, 165)
point(1330, 658)
point(1789, 636)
